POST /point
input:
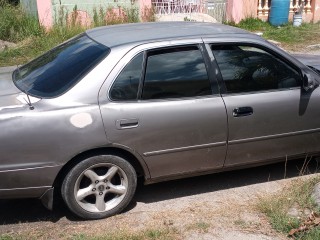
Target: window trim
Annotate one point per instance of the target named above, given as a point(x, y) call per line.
point(250, 44)
point(118, 74)
point(213, 81)
point(168, 48)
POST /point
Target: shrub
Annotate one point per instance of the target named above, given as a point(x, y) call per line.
point(16, 24)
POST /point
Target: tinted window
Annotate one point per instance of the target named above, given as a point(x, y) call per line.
point(175, 73)
point(246, 69)
point(126, 85)
point(58, 70)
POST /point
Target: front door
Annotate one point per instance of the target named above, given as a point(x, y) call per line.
point(269, 117)
point(164, 107)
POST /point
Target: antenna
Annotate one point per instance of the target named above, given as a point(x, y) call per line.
point(29, 102)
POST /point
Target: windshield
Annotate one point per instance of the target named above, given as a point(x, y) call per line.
point(55, 72)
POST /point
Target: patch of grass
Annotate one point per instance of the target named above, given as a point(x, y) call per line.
point(9, 237)
point(201, 226)
point(5, 237)
point(34, 46)
point(276, 207)
point(16, 25)
point(150, 234)
point(241, 223)
point(293, 38)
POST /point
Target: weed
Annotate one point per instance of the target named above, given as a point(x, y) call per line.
point(291, 37)
point(148, 14)
point(276, 207)
point(132, 14)
point(9, 237)
point(200, 226)
point(186, 19)
point(241, 223)
point(99, 18)
point(16, 25)
point(152, 234)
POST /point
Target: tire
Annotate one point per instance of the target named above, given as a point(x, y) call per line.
point(99, 187)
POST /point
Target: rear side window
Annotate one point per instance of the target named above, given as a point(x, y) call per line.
point(250, 69)
point(175, 73)
point(55, 72)
point(126, 85)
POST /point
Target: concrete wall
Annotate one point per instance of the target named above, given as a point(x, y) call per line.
point(51, 11)
point(88, 6)
point(30, 6)
point(241, 9)
point(316, 10)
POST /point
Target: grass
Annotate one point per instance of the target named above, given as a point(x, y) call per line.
point(32, 39)
point(200, 226)
point(15, 25)
point(292, 38)
point(147, 234)
point(276, 208)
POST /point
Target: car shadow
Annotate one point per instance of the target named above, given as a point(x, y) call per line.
point(225, 180)
point(31, 210)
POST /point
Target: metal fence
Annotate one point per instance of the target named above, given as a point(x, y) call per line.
point(217, 10)
point(214, 9)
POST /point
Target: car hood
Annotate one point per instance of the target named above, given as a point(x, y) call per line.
point(10, 95)
point(309, 60)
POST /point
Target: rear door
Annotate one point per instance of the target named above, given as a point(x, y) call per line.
point(161, 103)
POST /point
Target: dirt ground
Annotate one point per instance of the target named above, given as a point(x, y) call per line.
point(4, 45)
point(219, 206)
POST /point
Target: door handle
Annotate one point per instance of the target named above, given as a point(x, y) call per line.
point(242, 111)
point(127, 123)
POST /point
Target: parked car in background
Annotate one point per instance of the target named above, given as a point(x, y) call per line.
point(154, 100)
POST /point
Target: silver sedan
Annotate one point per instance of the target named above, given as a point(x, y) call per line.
point(156, 100)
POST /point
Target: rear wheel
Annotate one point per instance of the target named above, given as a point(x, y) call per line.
point(99, 187)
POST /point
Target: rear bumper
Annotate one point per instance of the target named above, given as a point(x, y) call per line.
point(27, 183)
point(32, 192)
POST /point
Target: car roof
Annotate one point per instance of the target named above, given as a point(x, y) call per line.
point(116, 35)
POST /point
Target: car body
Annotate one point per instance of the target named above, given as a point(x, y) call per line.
point(157, 100)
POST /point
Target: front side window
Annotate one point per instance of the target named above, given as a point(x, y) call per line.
point(249, 69)
point(175, 73)
point(55, 72)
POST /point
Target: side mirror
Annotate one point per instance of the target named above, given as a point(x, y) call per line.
point(309, 82)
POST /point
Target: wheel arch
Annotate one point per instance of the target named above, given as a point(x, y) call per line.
point(137, 163)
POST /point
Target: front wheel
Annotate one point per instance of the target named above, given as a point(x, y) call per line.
point(99, 187)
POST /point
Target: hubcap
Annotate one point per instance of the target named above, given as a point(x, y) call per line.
point(101, 187)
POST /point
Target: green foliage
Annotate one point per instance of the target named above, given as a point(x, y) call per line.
point(311, 235)
point(99, 18)
point(5, 237)
point(16, 25)
point(276, 208)
point(132, 14)
point(251, 24)
point(33, 40)
point(287, 33)
point(148, 234)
